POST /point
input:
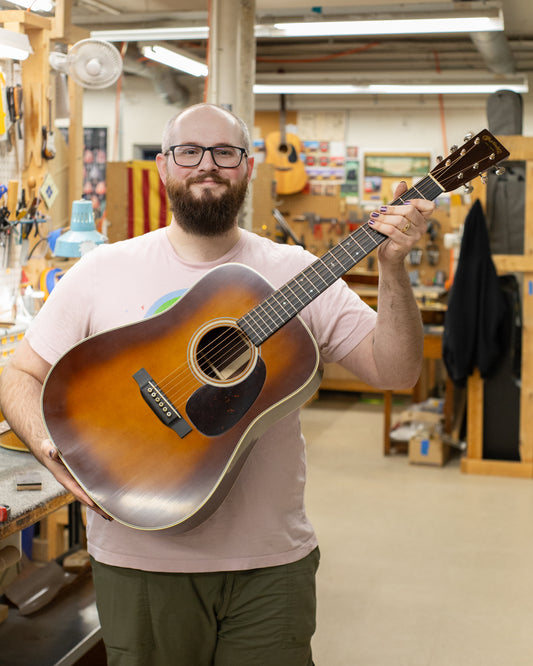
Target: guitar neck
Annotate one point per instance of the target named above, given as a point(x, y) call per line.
point(282, 124)
point(285, 303)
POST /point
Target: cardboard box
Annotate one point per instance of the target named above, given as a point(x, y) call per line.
point(428, 449)
point(419, 416)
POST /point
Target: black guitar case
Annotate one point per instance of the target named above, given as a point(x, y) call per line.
point(505, 211)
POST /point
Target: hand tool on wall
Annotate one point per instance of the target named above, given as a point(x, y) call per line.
point(12, 198)
point(19, 108)
point(48, 148)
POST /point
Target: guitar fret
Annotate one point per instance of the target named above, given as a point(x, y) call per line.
point(284, 310)
point(308, 292)
point(326, 265)
point(313, 267)
point(288, 287)
point(352, 240)
point(268, 312)
point(256, 314)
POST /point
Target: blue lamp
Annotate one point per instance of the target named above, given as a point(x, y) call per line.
point(82, 235)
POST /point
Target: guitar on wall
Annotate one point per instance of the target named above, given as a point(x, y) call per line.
point(283, 151)
point(156, 418)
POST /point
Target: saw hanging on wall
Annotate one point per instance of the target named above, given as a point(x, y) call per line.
point(283, 151)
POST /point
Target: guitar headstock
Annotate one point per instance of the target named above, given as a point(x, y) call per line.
point(470, 160)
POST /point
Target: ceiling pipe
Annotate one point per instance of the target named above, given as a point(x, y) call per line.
point(495, 50)
point(164, 80)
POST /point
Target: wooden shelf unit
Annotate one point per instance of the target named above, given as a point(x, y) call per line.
point(521, 149)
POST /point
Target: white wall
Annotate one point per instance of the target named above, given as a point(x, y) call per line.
point(416, 126)
point(143, 114)
point(383, 124)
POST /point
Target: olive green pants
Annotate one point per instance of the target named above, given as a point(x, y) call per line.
point(261, 617)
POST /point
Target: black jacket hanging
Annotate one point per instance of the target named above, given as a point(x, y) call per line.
point(478, 320)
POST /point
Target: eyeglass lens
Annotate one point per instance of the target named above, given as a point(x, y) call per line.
point(223, 156)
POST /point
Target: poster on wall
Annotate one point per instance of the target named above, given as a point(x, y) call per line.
point(94, 168)
point(324, 165)
point(382, 171)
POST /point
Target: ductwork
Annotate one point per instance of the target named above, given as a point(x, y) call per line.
point(164, 80)
point(496, 52)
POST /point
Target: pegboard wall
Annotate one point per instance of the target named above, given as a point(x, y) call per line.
point(11, 142)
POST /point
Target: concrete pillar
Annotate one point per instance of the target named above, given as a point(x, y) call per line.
point(231, 60)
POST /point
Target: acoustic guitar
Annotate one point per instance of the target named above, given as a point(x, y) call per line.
point(155, 419)
point(283, 151)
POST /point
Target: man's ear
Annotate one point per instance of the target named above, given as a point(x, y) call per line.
point(161, 162)
point(250, 162)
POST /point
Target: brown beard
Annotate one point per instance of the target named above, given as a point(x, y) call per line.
point(209, 214)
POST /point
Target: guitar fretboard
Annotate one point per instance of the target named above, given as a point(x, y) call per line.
point(286, 302)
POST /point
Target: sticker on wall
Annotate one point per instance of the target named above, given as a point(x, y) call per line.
point(48, 191)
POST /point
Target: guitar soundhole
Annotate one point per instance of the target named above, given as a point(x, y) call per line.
point(223, 354)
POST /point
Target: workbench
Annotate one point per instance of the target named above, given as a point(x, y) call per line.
point(27, 506)
point(68, 627)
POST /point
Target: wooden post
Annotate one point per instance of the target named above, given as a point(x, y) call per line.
point(521, 149)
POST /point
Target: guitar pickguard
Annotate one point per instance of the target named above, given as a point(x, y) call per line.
point(214, 410)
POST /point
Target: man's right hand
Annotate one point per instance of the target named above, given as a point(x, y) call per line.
point(51, 459)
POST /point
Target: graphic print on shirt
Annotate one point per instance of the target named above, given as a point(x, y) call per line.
point(165, 302)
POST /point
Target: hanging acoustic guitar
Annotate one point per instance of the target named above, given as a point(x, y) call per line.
point(156, 418)
point(283, 151)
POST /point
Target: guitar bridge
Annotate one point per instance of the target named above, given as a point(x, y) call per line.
point(161, 406)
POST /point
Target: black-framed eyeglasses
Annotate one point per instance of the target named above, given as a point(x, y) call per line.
point(190, 155)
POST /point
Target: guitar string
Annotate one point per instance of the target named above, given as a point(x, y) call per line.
point(225, 343)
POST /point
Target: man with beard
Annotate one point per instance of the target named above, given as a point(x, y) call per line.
point(239, 588)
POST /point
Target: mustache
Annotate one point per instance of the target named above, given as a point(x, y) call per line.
point(217, 178)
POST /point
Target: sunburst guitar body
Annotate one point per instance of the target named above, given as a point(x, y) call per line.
point(156, 418)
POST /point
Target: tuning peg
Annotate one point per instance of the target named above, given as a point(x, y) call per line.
point(468, 188)
point(483, 177)
point(469, 136)
point(453, 148)
point(499, 170)
point(439, 158)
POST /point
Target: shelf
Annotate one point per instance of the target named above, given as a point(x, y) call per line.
point(58, 635)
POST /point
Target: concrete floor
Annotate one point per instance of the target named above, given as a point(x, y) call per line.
point(421, 566)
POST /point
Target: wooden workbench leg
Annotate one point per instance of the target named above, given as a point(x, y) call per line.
point(387, 418)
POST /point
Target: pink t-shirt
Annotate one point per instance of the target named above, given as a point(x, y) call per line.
point(262, 521)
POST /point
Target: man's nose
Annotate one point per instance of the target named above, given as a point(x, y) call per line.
point(207, 161)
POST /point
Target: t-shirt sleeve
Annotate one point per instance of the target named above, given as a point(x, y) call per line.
point(64, 319)
point(339, 320)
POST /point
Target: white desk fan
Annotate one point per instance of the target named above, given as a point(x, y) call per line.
point(92, 63)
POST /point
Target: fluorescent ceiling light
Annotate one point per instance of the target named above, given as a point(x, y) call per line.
point(14, 45)
point(175, 60)
point(34, 5)
point(392, 89)
point(459, 22)
point(414, 26)
point(151, 34)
